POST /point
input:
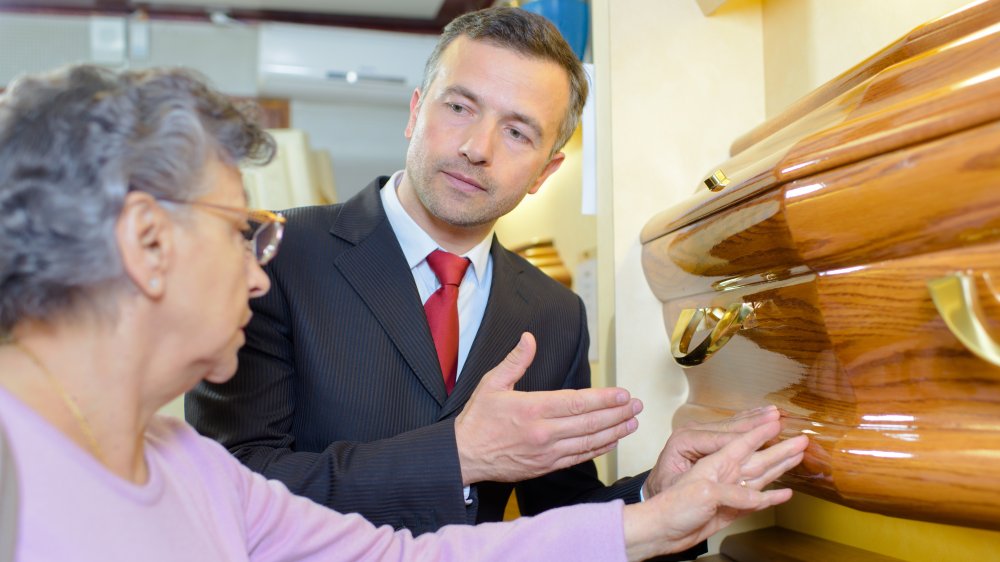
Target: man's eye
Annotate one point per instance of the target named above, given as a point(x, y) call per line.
point(519, 136)
point(456, 108)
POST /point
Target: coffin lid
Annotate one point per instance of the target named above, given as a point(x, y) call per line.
point(941, 78)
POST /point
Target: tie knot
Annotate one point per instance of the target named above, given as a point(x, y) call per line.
point(449, 268)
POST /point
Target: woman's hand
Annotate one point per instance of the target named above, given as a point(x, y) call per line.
point(718, 489)
point(696, 440)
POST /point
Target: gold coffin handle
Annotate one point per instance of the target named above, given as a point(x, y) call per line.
point(717, 181)
point(730, 321)
point(957, 303)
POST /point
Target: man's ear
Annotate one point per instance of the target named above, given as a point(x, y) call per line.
point(550, 168)
point(145, 240)
point(414, 109)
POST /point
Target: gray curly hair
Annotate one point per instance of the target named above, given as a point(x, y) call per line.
point(72, 144)
point(526, 33)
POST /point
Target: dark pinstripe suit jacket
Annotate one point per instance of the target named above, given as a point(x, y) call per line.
point(339, 393)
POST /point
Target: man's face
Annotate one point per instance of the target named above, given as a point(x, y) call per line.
point(482, 134)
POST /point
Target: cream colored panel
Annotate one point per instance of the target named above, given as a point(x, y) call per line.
point(290, 179)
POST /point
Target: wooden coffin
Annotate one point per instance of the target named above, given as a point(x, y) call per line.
point(844, 264)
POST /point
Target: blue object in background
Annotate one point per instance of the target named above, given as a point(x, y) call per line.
point(571, 17)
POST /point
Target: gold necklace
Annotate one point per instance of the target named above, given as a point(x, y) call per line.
point(71, 405)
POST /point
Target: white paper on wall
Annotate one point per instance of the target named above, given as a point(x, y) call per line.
point(585, 285)
point(588, 121)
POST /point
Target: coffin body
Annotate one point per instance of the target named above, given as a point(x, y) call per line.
point(844, 264)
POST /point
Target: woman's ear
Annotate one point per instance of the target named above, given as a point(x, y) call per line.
point(145, 238)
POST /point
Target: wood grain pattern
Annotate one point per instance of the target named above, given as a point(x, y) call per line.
point(831, 230)
point(903, 420)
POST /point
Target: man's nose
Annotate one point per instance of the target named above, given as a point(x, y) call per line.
point(478, 145)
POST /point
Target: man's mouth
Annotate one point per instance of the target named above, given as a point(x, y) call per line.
point(463, 182)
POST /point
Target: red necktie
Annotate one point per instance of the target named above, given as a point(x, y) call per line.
point(442, 311)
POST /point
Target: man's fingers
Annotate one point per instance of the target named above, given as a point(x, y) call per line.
point(573, 460)
point(512, 368)
point(591, 441)
point(592, 422)
point(554, 403)
point(571, 403)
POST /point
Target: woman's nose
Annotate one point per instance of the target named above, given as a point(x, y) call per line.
point(257, 281)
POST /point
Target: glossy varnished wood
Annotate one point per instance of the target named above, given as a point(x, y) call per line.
point(928, 37)
point(877, 209)
point(903, 420)
point(831, 229)
point(945, 90)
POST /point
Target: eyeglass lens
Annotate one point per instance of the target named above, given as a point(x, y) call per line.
point(263, 239)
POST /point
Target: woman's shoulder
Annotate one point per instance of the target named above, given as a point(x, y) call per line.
point(170, 429)
point(182, 445)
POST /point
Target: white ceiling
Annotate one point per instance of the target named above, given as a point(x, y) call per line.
point(416, 9)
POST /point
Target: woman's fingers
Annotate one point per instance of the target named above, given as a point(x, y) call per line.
point(744, 499)
point(740, 449)
point(766, 465)
point(740, 422)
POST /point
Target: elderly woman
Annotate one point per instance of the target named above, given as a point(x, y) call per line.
point(127, 257)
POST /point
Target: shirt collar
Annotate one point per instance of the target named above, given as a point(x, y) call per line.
point(416, 243)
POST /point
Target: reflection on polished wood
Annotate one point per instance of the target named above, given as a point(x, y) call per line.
point(831, 230)
point(945, 90)
point(926, 38)
point(542, 254)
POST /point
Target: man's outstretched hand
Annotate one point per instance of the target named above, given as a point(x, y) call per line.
point(505, 435)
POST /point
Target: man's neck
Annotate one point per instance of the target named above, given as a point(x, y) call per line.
point(455, 239)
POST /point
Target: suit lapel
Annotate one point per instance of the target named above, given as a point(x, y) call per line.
point(507, 314)
point(376, 268)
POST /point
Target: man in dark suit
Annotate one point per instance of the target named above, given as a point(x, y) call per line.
point(341, 392)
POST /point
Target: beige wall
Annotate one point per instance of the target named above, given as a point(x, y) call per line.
point(673, 89)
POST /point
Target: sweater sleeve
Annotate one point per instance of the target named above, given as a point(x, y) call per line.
point(281, 526)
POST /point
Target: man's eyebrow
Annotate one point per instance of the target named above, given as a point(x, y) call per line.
point(462, 91)
point(531, 122)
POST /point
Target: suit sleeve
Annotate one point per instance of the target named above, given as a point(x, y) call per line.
point(411, 480)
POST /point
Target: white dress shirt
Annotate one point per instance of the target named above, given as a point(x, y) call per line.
point(473, 293)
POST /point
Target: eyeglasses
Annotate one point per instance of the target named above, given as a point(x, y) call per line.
point(263, 229)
